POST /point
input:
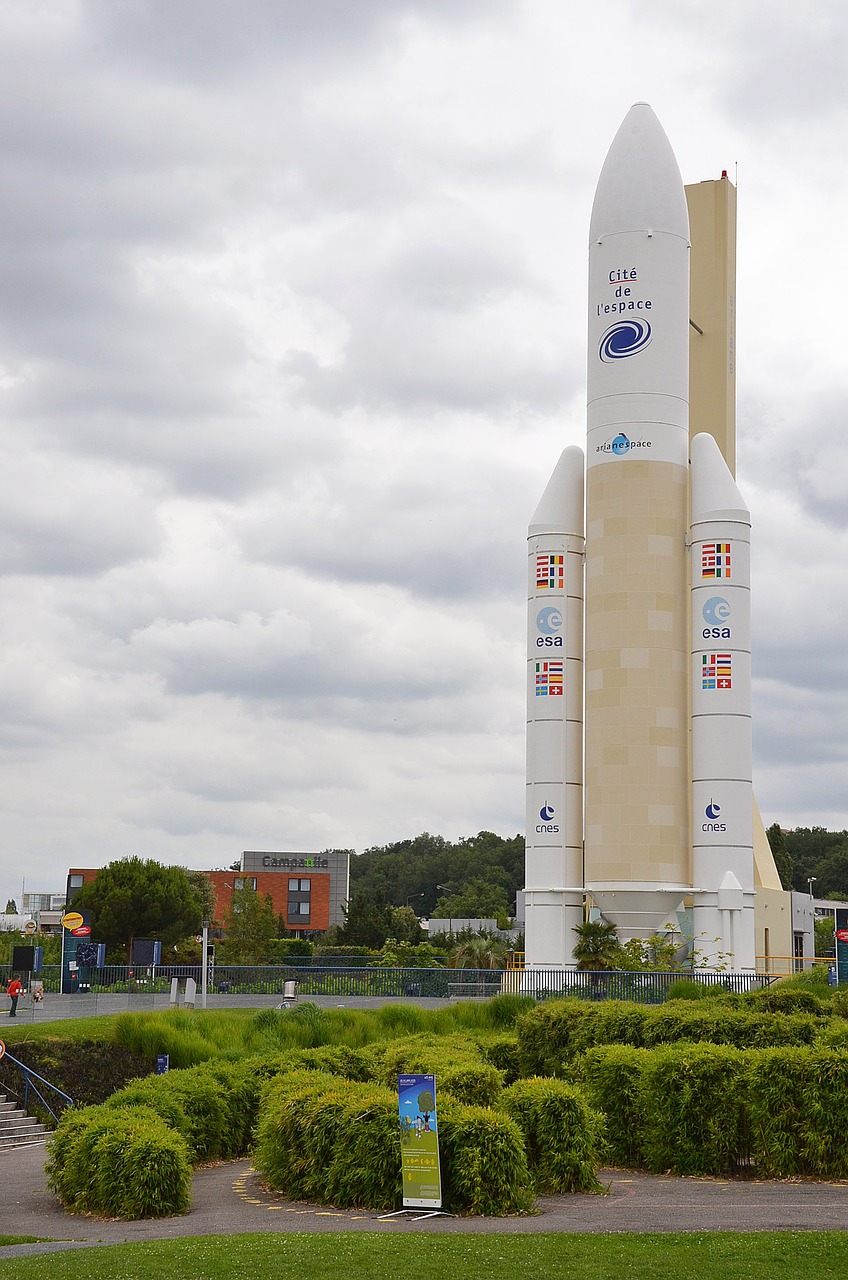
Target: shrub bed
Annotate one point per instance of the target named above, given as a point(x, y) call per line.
point(330, 1142)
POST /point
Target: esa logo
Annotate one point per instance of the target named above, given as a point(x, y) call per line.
point(549, 622)
point(547, 826)
point(712, 813)
point(716, 613)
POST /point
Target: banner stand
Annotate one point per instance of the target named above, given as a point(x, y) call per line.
point(419, 1217)
point(419, 1149)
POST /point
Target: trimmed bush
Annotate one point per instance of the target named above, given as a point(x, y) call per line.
point(151, 1096)
point(611, 1075)
point(839, 1002)
point(293, 1144)
point(502, 1052)
point(546, 1036)
point(562, 1133)
point(783, 999)
point(340, 1060)
point(484, 1164)
point(713, 1023)
point(203, 1100)
point(365, 1169)
point(799, 1112)
point(240, 1095)
point(456, 1060)
point(551, 1036)
point(212, 1106)
point(693, 1103)
point(119, 1163)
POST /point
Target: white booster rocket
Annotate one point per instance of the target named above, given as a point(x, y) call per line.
point(722, 814)
point(553, 895)
point(640, 801)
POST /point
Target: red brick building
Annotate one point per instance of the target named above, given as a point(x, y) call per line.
point(308, 890)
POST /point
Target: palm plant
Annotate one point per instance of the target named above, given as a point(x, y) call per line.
point(483, 951)
point(597, 946)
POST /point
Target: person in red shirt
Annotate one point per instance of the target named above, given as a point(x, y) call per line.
point(13, 991)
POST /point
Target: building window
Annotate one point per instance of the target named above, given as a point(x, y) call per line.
point(299, 902)
point(244, 882)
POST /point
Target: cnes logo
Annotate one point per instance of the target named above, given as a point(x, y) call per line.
point(547, 826)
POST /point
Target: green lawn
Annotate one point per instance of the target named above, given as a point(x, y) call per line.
point(96, 1028)
point(770, 1255)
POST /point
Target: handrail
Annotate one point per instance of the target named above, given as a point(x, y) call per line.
point(30, 1074)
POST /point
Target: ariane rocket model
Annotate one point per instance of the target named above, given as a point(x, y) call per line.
point(663, 823)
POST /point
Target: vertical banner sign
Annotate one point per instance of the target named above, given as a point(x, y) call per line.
point(419, 1142)
point(75, 927)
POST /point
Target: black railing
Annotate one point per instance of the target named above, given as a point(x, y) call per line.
point(364, 979)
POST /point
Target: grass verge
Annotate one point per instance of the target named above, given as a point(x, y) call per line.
point(774, 1255)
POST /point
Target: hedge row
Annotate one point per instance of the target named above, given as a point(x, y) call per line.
point(553, 1034)
point(132, 1156)
point(712, 1109)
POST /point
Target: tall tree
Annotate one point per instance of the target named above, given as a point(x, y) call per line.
point(249, 926)
point(11, 907)
point(478, 899)
point(368, 921)
point(138, 898)
point(780, 852)
point(202, 886)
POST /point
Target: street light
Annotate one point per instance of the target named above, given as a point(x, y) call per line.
point(415, 895)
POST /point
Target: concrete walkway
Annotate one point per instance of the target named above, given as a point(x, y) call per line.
point(228, 1199)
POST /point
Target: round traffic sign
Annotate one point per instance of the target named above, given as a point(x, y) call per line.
point(30, 928)
point(2, 1048)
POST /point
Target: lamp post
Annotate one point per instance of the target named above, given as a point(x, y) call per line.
point(450, 918)
point(205, 966)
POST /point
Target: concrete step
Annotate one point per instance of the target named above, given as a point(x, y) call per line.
point(17, 1129)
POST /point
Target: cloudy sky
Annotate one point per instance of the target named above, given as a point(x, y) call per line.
point(292, 332)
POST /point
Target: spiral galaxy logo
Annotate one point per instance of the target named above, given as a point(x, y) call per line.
point(624, 338)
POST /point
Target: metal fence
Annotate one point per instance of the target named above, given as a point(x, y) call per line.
point(645, 987)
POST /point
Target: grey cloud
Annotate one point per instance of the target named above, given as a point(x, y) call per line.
point(227, 39)
point(58, 516)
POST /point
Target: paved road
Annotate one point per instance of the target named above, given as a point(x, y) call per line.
point(228, 1199)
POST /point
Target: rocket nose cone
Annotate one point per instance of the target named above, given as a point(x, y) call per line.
point(560, 508)
point(714, 493)
point(640, 187)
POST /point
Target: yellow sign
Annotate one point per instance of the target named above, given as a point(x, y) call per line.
point(72, 920)
point(30, 928)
